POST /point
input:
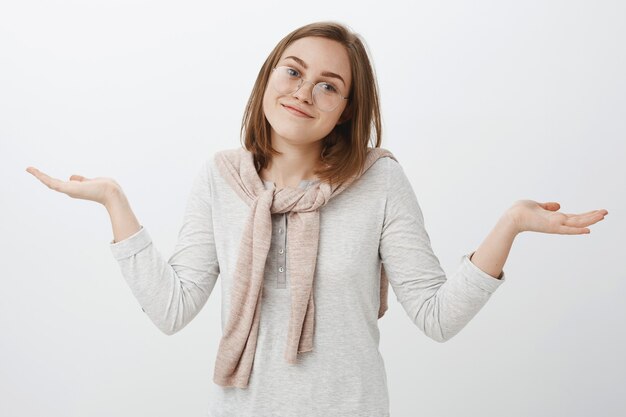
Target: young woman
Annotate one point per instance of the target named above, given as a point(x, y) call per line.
point(306, 225)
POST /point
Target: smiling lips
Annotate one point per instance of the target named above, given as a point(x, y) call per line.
point(296, 111)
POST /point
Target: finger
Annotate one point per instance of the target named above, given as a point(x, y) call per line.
point(602, 211)
point(566, 230)
point(32, 170)
point(581, 220)
point(39, 175)
point(582, 214)
point(52, 183)
point(76, 177)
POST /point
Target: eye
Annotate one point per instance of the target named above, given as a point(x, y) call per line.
point(329, 88)
point(292, 72)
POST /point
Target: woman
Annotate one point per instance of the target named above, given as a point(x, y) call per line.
point(306, 225)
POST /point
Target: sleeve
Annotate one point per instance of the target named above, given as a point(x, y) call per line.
point(439, 306)
point(173, 292)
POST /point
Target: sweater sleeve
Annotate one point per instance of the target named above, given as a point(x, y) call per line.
point(439, 306)
point(173, 292)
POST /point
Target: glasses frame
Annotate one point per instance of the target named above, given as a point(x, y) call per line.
point(301, 83)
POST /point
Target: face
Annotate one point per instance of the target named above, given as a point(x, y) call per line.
point(310, 57)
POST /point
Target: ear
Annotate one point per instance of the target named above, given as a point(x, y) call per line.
point(347, 113)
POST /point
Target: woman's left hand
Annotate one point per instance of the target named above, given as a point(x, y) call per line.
point(531, 216)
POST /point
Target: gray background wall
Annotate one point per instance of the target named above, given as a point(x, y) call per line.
point(484, 102)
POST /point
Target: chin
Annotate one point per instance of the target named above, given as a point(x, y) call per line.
point(293, 135)
point(288, 129)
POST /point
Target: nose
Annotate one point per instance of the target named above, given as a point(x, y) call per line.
point(304, 93)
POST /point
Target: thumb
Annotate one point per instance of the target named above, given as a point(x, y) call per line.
point(77, 178)
point(551, 205)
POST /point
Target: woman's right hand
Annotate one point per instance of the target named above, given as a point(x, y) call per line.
point(99, 189)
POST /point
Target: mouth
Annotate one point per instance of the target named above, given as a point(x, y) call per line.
point(296, 111)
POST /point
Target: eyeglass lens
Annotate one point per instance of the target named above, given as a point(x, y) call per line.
point(325, 95)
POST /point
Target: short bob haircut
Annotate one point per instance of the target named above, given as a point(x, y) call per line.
point(345, 148)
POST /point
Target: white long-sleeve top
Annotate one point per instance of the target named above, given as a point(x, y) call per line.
point(376, 219)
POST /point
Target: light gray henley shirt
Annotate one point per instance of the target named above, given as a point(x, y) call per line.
point(376, 219)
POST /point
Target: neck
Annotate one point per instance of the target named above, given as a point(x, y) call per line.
point(296, 163)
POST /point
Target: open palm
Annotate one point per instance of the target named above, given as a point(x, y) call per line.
point(532, 216)
point(99, 189)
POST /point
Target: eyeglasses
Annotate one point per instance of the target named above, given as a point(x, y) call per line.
point(287, 80)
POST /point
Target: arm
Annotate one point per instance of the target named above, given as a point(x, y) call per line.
point(492, 253)
point(171, 292)
point(532, 216)
point(440, 306)
point(123, 220)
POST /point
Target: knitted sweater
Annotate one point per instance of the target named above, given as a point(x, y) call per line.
point(377, 219)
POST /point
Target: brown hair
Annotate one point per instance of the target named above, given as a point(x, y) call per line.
point(345, 147)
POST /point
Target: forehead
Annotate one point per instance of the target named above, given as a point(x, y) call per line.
point(320, 54)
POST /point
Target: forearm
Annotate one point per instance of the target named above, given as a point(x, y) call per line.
point(123, 220)
point(492, 253)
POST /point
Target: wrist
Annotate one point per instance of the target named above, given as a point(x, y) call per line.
point(114, 197)
point(510, 221)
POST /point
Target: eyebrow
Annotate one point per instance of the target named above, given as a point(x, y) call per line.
point(324, 74)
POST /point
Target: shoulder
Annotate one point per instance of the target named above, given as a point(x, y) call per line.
point(234, 156)
point(231, 154)
point(375, 179)
point(396, 179)
point(385, 163)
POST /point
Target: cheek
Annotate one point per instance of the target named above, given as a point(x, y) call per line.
point(269, 107)
point(333, 119)
point(326, 125)
point(329, 123)
point(266, 103)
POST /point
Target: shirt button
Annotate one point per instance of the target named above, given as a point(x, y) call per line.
point(281, 250)
point(280, 269)
point(280, 230)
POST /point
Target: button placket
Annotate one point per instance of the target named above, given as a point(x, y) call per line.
point(281, 281)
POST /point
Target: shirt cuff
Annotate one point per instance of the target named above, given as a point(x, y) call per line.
point(479, 277)
point(131, 245)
